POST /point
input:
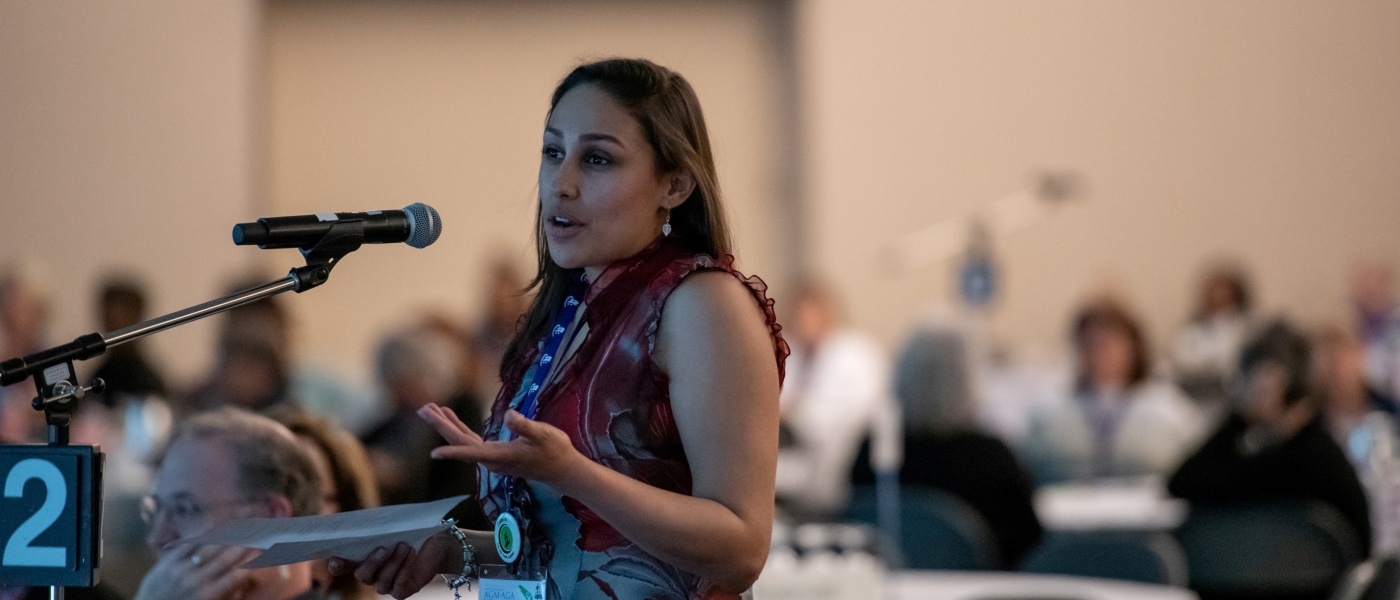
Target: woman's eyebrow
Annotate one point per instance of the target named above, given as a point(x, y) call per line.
point(591, 137)
point(588, 137)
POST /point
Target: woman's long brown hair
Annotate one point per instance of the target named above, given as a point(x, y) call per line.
point(669, 112)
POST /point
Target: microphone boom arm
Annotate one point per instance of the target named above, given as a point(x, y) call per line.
point(52, 369)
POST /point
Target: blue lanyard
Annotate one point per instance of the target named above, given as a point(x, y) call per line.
point(529, 405)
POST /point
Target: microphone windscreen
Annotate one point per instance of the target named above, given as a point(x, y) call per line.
point(424, 225)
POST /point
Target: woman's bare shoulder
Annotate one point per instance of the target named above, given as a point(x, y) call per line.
point(709, 309)
point(705, 296)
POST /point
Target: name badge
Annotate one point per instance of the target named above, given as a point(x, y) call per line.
point(498, 583)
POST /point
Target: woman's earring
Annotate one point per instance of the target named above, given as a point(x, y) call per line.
point(666, 229)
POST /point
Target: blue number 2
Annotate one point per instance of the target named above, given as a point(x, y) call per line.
point(18, 552)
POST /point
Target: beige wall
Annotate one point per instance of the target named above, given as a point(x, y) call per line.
point(1267, 130)
point(126, 142)
point(134, 135)
point(377, 105)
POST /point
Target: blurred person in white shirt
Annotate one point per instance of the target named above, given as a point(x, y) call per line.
point(1362, 422)
point(24, 321)
point(1339, 374)
point(1207, 351)
point(835, 395)
point(1118, 421)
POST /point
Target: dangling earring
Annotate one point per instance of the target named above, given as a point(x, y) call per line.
point(666, 229)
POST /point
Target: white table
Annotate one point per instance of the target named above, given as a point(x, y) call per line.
point(960, 585)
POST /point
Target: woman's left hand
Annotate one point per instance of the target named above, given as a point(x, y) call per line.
point(401, 571)
point(540, 452)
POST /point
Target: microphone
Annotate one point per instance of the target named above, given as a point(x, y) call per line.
point(417, 225)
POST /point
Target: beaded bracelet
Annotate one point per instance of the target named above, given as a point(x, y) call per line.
point(468, 561)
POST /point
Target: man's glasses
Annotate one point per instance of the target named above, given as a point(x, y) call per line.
point(181, 511)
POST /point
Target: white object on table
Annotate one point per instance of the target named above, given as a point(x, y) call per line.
point(1139, 504)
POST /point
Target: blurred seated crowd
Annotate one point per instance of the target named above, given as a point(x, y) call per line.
point(1242, 409)
point(1242, 412)
point(260, 434)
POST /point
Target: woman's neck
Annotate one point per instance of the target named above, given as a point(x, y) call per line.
point(1108, 388)
point(594, 272)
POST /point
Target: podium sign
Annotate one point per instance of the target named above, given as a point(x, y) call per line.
point(50, 515)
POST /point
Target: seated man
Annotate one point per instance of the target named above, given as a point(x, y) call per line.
point(1275, 445)
point(224, 465)
point(943, 448)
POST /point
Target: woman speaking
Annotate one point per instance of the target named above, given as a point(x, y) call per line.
point(631, 451)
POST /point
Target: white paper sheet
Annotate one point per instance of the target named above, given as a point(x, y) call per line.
point(352, 535)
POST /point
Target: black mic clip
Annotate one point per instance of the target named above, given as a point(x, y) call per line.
point(345, 236)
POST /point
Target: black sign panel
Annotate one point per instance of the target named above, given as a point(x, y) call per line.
point(50, 515)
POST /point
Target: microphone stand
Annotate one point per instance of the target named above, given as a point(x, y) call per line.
point(57, 381)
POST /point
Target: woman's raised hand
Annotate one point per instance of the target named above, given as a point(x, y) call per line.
point(452, 429)
point(540, 452)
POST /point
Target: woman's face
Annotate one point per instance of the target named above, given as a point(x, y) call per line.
point(601, 198)
point(1220, 297)
point(1340, 368)
point(1107, 355)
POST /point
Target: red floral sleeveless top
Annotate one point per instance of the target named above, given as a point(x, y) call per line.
point(614, 403)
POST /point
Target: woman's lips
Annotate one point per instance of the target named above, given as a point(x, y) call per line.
point(558, 230)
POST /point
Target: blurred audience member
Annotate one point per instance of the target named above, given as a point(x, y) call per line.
point(125, 369)
point(1378, 325)
point(944, 450)
point(258, 338)
point(505, 304)
point(1274, 444)
point(24, 310)
point(24, 321)
point(248, 373)
point(466, 401)
point(836, 389)
point(224, 465)
point(417, 366)
point(265, 322)
point(1118, 422)
point(1207, 351)
point(1339, 368)
point(250, 369)
point(349, 481)
point(1362, 422)
point(347, 484)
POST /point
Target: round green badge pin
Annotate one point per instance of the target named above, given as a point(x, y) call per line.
point(507, 537)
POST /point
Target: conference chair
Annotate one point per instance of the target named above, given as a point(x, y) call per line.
point(1276, 549)
point(938, 530)
point(1145, 557)
point(1376, 579)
